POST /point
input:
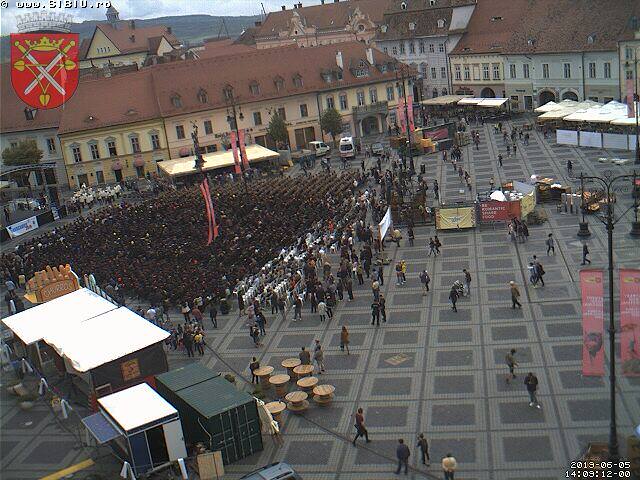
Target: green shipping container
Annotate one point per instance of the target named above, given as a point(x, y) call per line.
point(213, 411)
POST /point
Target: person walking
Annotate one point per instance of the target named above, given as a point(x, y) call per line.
point(425, 279)
point(539, 270)
point(570, 167)
point(423, 445)
point(510, 360)
point(500, 160)
point(449, 466)
point(551, 244)
point(186, 312)
point(533, 277)
point(261, 321)
point(253, 366)
point(187, 341)
point(361, 429)
point(213, 315)
point(381, 276)
point(585, 252)
point(432, 248)
point(359, 274)
point(436, 240)
point(375, 313)
point(297, 310)
point(383, 310)
point(254, 332)
point(515, 295)
point(344, 339)
point(531, 381)
point(467, 281)
point(318, 356)
point(304, 356)
point(411, 235)
point(322, 310)
point(402, 454)
point(453, 297)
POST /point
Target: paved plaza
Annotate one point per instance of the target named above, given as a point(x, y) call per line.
point(428, 369)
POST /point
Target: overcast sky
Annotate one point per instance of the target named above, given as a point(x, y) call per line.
point(158, 8)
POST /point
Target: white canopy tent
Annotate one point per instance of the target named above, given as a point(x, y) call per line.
point(470, 101)
point(547, 107)
point(492, 102)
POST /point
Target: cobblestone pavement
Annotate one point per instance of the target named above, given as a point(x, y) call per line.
point(431, 370)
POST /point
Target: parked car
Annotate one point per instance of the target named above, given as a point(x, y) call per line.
point(275, 471)
point(377, 148)
point(320, 148)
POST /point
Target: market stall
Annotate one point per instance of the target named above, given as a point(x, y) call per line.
point(497, 208)
point(523, 193)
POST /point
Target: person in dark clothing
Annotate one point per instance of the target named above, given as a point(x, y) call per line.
point(411, 235)
point(361, 430)
point(383, 310)
point(402, 454)
point(585, 252)
point(253, 366)
point(453, 296)
point(424, 449)
point(305, 356)
point(213, 315)
point(375, 313)
point(381, 275)
point(531, 381)
point(551, 244)
point(187, 341)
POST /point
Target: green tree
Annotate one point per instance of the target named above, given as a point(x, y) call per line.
point(26, 152)
point(331, 122)
point(277, 130)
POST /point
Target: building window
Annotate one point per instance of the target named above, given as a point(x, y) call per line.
point(435, 92)
point(390, 94)
point(394, 50)
point(228, 92)
point(525, 70)
point(467, 72)
point(485, 71)
point(99, 177)
point(93, 150)
point(330, 103)
point(412, 48)
point(496, 71)
point(176, 101)
point(545, 70)
point(457, 72)
point(476, 71)
point(441, 47)
point(607, 70)
point(344, 104)
point(433, 73)
point(155, 141)
point(373, 95)
point(51, 142)
point(257, 118)
point(592, 69)
point(179, 131)
point(13, 144)
point(360, 98)
point(628, 53)
point(202, 96)
point(111, 148)
point(254, 88)
point(421, 46)
point(423, 70)
point(208, 127)
point(297, 81)
point(512, 71)
point(567, 70)
point(282, 113)
point(431, 48)
point(443, 72)
point(135, 144)
point(401, 47)
point(303, 110)
point(77, 156)
point(385, 49)
point(629, 75)
point(279, 82)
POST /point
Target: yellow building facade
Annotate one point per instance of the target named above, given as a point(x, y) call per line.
point(480, 75)
point(113, 154)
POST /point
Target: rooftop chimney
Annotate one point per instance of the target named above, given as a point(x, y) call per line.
point(284, 7)
point(169, 30)
point(339, 60)
point(370, 55)
point(257, 23)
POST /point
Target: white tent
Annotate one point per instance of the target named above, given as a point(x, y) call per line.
point(470, 101)
point(60, 313)
point(547, 107)
point(624, 121)
point(492, 102)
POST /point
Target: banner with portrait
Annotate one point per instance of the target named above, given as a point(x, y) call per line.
point(592, 288)
point(630, 321)
point(449, 218)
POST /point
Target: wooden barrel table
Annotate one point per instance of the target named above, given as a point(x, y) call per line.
point(276, 409)
point(264, 373)
point(323, 394)
point(303, 370)
point(290, 364)
point(306, 384)
point(297, 401)
point(280, 382)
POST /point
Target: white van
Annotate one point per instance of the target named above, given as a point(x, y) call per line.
point(347, 147)
point(320, 148)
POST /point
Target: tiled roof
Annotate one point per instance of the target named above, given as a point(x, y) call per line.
point(219, 48)
point(413, 5)
point(144, 38)
point(148, 93)
point(396, 25)
point(12, 117)
point(248, 36)
point(330, 16)
point(118, 100)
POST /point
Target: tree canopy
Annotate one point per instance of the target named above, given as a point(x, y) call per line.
point(26, 152)
point(277, 130)
point(331, 122)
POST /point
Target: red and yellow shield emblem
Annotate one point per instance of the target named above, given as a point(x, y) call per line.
point(44, 68)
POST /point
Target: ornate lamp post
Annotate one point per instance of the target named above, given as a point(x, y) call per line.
point(404, 77)
point(233, 115)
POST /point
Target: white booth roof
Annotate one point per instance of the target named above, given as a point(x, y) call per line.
point(35, 323)
point(547, 107)
point(136, 406)
point(492, 102)
point(104, 338)
point(470, 101)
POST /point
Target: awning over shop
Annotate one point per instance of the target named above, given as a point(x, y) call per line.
point(176, 167)
point(492, 102)
point(470, 101)
point(547, 107)
point(444, 100)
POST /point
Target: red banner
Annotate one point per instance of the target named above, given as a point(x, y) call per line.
point(494, 211)
point(243, 152)
point(592, 322)
point(211, 215)
point(412, 126)
point(400, 116)
point(630, 321)
point(631, 113)
point(438, 134)
point(234, 149)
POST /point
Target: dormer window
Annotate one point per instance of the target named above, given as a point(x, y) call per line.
point(29, 113)
point(531, 42)
point(227, 92)
point(440, 23)
point(432, 2)
point(412, 26)
point(279, 83)
point(202, 96)
point(496, 19)
point(339, 74)
point(591, 38)
point(403, 6)
point(383, 29)
point(176, 101)
point(297, 81)
point(254, 87)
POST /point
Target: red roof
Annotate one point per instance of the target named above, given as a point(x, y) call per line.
point(12, 117)
point(218, 48)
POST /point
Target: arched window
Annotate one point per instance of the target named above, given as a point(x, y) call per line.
point(297, 80)
point(202, 96)
point(403, 6)
point(176, 101)
point(254, 87)
point(227, 91)
point(279, 83)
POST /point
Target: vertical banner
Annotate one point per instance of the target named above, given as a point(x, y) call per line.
point(234, 149)
point(630, 321)
point(631, 113)
point(412, 126)
point(400, 116)
point(211, 216)
point(592, 322)
point(243, 151)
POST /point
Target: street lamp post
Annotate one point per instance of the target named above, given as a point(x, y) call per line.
point(610, 221)
point(232, 119)
point(406, 117)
